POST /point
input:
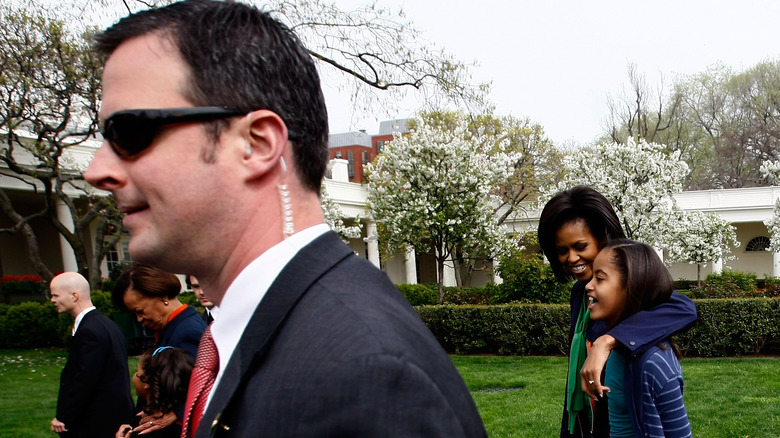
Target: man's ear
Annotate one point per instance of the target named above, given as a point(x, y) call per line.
point(266, 136)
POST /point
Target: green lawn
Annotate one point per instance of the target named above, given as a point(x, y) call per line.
point(726, 397)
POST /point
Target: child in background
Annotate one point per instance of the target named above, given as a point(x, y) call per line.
point(162, 378)
point(645, 391)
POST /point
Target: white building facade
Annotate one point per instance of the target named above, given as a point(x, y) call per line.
point(746, 209)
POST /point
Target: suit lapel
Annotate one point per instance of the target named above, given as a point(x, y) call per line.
point(301, 272)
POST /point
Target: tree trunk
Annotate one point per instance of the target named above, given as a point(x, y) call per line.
point(698, 274)
point(33, 248)
point(440, 268)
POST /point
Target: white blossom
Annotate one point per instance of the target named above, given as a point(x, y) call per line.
point(335, 218)
point(640, 179)
point(432, 189)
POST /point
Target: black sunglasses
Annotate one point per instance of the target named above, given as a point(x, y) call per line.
point(131, 131)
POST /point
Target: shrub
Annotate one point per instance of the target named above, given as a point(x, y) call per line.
point(770, 286)
point(684, 284)
point(189, 298)
point(510, 329)
point(472, 295)
point(30, 325)
point(726, 327)
point(528, 279)
point(23, 285)
point(102, 301)
point(729, 327)
point(728, 284)
point(420, 294)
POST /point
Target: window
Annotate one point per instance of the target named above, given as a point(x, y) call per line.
point(379, 145)
point(760, 243)
point(364, 157)
point(117, 255)
point(112, 258)
point(351, 164)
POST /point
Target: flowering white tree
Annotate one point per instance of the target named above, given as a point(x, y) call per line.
point(639, 179)
point(432, 189)
point(771, 171)
point(698, 237)
point(334, 217)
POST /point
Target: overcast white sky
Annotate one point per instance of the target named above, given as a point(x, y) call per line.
point(557, 60)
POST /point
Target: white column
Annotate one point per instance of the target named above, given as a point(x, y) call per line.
point(449, 272)
point(339, 170)
point(411, 266)
point(69, 263)
point(372, 243)
point(496, 277)
point(660, 252)
point(717, 266)
point(776, 264)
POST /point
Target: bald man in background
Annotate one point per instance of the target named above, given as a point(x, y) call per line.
point(94, 398)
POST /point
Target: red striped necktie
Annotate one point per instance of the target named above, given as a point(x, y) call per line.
point(203, 375)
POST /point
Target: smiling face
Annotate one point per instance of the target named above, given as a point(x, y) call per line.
point(606, 290)
point(576, 248)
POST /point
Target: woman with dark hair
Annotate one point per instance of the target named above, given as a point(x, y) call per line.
point(162, 378)
point(152, 294)
point(573, 227)
point(646, 390)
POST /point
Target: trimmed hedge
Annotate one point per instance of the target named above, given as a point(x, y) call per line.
point(725, 327)
point(733, 327)
point(510, 329)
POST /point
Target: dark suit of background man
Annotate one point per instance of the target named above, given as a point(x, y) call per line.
point(313, 340)
point(208, 307)
point(94, 398)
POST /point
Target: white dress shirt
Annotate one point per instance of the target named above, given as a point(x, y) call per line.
point(79, 317)
point(248, 289)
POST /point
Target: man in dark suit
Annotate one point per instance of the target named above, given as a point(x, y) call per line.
point(208, 306)
point(216, 146)
point(94, 398)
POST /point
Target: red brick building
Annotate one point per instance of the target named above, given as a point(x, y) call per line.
point(360, 148)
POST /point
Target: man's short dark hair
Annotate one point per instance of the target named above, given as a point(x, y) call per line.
point(241, 57)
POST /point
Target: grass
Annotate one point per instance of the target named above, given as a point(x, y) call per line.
point(725, 397)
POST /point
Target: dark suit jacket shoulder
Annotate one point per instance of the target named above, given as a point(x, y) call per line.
point(184, 331)
point(335, 350)
point(94, 397)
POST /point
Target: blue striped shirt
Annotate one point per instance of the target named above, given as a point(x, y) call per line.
point(660, 403)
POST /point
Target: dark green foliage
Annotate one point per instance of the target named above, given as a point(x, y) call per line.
point(489, 294)
point(729, 327)
point(190, 298)
point(428, 294)
point(769, 286)
point(528, 279)
point(523, 329)
point(29, 325)
point(102, 301)
point(20, 288)
point(684, 284)
point(419, 294)
point(726, 327)
point(729, 284)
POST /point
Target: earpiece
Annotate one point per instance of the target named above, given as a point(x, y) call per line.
point(248, 150)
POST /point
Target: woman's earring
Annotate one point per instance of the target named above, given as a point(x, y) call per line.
point(248, 150)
